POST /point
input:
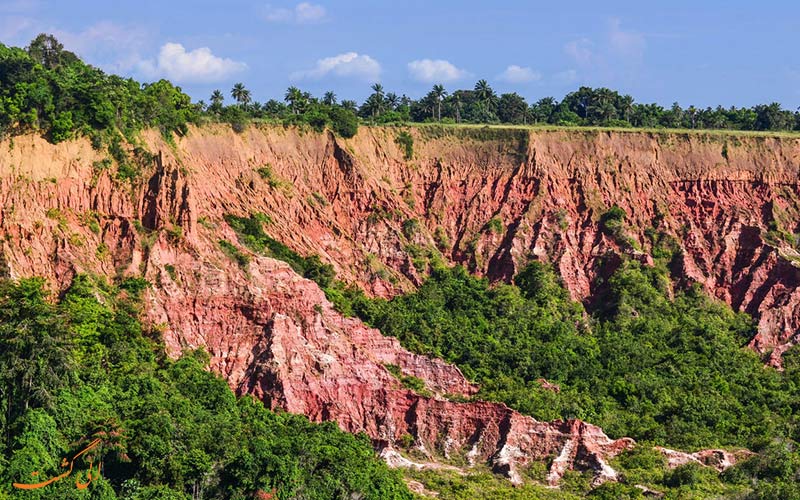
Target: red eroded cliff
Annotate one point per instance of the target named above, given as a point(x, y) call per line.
point(488, 198)
point(493, 198)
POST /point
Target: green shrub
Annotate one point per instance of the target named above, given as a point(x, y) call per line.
point(317, 118)
point(171, 271)
point(62, 127)
point(174, 233)
point(234, 253)
point(343, 121)
point(97, 372)
point(612, 223)
point(495, 225)
point(250, 231)
point(411, 228)
point(441, 239)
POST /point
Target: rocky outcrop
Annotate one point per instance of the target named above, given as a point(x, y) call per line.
point(717, 459)
point(488, 198)
point(288, 347)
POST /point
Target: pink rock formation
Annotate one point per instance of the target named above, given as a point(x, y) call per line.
point(271, 333)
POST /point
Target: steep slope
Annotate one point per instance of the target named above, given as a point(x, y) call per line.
point(493, 198)
point(487, 198)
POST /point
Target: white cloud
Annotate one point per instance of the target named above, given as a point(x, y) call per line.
point(435, 71)
point(198, 65)
point(519, 74)
point(309, 13)
point(302, 13)
point(349, 64)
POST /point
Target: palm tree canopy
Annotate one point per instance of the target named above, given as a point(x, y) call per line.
point(293, 94)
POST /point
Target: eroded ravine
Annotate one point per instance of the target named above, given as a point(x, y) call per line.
point(487, 200)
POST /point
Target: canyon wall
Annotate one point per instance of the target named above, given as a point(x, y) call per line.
point(488, 198)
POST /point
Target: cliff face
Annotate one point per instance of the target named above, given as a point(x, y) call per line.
point(490, 199)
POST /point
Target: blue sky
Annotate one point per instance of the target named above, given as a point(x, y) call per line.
point(721, 52)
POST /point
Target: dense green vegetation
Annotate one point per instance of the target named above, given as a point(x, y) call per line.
point(667, 370)
point(250, 231)
point(48, 89)
point(84, 368)
point(667, 367)
point(584, 107)
point(664, 366)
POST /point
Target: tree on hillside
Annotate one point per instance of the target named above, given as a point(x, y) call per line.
point(456, 98)
point(329, 99)
point(439, 94)
point(392, 101)
point(691, 111)
point(674, 117)
point(772, 117)
point(350, 105)
point(217, 98)
point(377, 89)
point(49, 52)
point(35, 353)
point(429, 104)
point(375, 104)
point(294, 97)
point(377, 98)
point(626, 107)
point(241, 94)
point(544, 109)
point(512, 108)
point(485, 94)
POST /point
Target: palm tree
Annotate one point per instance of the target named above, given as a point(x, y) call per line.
point(241, 94)
point(348, 104)
point(294, 97)
point(692, 115)
point(627, 107)
point(429, 103)
point(392, 100)
point(438, 94)
point(373, 106)
point(329, 98)
point(377, 99)
point(217, 97)
point(457, 105)
point(377, 88)
point(485, 94)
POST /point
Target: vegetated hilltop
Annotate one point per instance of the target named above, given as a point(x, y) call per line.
point(382, 210)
